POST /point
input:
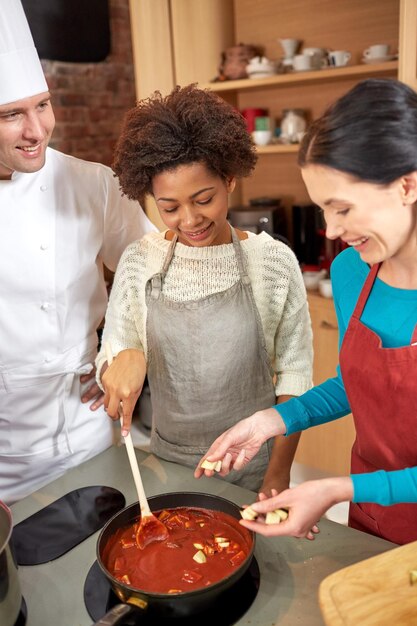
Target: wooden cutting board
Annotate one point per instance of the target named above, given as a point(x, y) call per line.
point(374, 592)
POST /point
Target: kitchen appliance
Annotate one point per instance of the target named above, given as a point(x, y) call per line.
point(288, 585)
point(307, 226)
point(262, 214)
point(311, 245)
point(169, 606)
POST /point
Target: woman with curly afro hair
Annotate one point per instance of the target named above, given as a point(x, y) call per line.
point(216, 318)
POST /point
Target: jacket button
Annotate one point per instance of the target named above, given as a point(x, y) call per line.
point(45, 306)
point(43, 187)
point(44, 246)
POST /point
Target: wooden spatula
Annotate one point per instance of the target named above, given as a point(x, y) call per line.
point(150, 527)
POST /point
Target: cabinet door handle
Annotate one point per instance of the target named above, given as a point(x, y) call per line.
point(328, 325)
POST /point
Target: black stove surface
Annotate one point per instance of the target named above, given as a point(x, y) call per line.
point(99, 598)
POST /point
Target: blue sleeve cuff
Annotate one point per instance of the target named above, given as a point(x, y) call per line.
point(386, 488)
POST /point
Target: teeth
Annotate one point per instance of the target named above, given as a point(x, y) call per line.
point(197, 233)
point(30, 149)
point(357, 242)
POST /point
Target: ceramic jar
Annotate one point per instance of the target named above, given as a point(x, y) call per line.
point(293, 125)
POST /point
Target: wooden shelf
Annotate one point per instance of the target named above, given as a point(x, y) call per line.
point(278, 148)
point(337, 73)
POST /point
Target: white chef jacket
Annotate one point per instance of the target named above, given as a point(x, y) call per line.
point(57, 228)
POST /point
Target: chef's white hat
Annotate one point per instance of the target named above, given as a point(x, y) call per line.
point(21, 74)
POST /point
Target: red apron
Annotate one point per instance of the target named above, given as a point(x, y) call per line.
point(380, 384)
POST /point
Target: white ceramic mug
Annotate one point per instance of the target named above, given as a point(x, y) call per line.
point(337, 58)
point(377, 51)
point(318, 57)
point(302, 62)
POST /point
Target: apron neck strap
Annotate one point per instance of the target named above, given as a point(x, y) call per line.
point(366, 290)
point(239, 257)
point(158, 278)
point(169, 255)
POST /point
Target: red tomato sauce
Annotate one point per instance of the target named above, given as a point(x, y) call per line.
point(168, 566)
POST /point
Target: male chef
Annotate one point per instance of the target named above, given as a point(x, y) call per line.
point(61, 219)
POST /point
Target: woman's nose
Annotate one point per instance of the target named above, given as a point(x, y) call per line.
point(190, 216)
point(334, 230)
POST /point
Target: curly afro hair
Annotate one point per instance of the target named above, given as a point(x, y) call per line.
point(187, 126)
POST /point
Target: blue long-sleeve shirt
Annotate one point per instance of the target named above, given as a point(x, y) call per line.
point(392, 314)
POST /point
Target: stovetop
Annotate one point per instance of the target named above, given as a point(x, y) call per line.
point(227, 610)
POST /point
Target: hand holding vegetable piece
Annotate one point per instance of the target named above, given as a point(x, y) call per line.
point(305, 504)
point(239, 444)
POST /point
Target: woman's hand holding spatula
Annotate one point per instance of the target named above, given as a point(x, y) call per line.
point(150, 527)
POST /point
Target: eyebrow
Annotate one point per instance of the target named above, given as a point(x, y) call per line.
point(333, 200)
point(194, 195)
point(12, 109)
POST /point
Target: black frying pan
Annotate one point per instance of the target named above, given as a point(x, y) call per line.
point(161, 605)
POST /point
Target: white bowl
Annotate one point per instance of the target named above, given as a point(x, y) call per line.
point(262, 137)
point(325, 288)
point(312, 279)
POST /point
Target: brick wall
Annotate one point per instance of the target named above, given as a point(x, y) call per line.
point(90, 99)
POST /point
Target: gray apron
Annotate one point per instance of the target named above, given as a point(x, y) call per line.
point(208, 368)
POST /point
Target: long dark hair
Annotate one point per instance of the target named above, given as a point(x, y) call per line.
point(370, 132)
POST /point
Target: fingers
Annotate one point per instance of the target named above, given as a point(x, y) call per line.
point(126, 417)
point(112, 404)
point(93, 392)
point(222, 445)
point(98, 402)
point(240, 460)
point(283, 529)
point(84, 378)
point(226, 464)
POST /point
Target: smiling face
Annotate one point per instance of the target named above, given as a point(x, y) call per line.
point(379, 221)
point(25, 130)
point(193, 203)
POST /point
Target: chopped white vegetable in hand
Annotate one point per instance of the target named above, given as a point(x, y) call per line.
point(277, 516)
point(212, 465)
point(249, 514)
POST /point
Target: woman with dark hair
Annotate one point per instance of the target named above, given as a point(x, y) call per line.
point(359, 164)
point(216, 317)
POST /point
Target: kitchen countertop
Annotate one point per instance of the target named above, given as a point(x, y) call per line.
point(291, 569)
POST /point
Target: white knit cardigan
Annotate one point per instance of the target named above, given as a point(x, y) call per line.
point(195, 273)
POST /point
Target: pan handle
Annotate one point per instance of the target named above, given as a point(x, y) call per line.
point(115, 615)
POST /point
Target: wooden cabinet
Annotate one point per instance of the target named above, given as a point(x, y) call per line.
point(180, 41)
point(326, 447)
point(351, 25)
